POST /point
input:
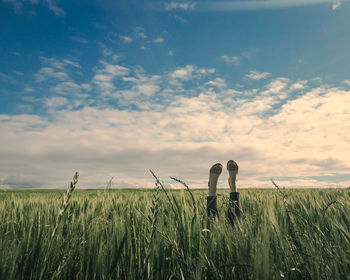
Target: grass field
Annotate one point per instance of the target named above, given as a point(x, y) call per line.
point(151, 234)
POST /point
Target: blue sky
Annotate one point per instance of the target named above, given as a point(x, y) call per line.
point(115, 88)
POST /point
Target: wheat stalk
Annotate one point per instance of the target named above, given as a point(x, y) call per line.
point(158, 183)
point(64, 203)
point(152, 218)
point(62, 208)
point(191, 194)
point(279, 189)
point(109, 184)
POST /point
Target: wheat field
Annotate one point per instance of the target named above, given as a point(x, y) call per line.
point(163, 234)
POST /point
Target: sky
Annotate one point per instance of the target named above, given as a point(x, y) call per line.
point(113, 89)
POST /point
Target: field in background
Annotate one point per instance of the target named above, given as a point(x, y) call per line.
point(151, 234)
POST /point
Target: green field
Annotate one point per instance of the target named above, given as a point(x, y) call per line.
point(153, 234)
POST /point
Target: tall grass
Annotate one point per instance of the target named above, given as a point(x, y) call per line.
point(152, 234)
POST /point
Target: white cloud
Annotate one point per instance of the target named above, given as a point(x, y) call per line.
point(113, 69)
point(276, 86)
point(72, 63)
point(55, 69)
point(137, 34)
point(181, 19)
point(126, 39)
point(158, 40)
point(141, 87)
point(294, 129)
point(28, 89)
point(142, 35)
point(4, 76)
point(346, 82)
point(184, 73)
point(24, 108)
point(55, 102)
point(218, 82)
point(105, 76)
point(263, 4)
point(70, 88)
point(79, 39)
point(307, 137)
point(18, 73)
point(179, 6)
point(58, 77)
point(49, 72)
point(86, 87)
point(53, 6)
point(205, 71)
point(148, 89)
point(187, 73)
point(298, 85)
point(16, 5)
point(235, 60)
point(140, 32)
point(109, 54)
point(33, 1)
point(171, 53)
point(336, 4)
point(254, 75)
point(317, 79)
point(238, 59)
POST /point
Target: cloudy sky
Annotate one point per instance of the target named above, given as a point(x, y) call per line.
point(115, 88)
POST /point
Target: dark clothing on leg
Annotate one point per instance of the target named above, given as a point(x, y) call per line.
point(212, 206)
point(233, 211)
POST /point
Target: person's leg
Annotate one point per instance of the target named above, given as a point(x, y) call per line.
point(233, 211)
point(214, 173)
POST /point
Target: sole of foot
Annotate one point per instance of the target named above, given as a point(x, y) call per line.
point(214, 174)
point(216, 168)
point(232, 168)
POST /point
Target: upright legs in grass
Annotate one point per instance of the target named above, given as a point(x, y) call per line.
point(214, 173)
point(233, 211)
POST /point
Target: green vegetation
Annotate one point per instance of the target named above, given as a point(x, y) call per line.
point(151, 234)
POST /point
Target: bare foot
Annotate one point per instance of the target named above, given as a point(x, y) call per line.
point(232, 169)
point(214, 174)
